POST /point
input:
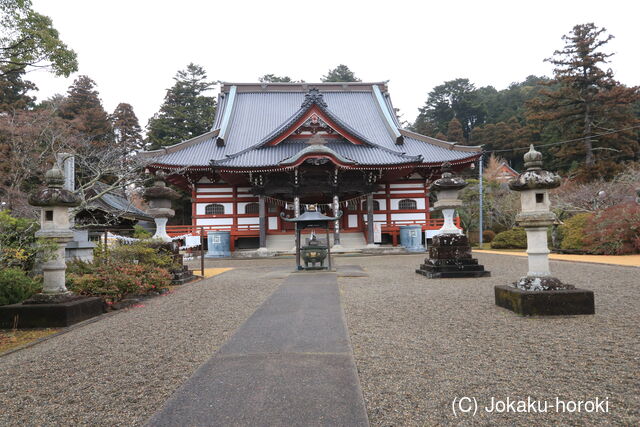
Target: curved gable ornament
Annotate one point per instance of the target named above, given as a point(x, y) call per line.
point(316, 151)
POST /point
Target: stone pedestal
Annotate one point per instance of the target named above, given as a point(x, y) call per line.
point(56, 314)
point(450, 257)
point(159, 197)
point(546, 303)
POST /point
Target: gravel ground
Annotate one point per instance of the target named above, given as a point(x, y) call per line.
point(419, 343)
point(120, 369)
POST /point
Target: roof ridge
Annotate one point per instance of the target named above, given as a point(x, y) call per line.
point(439, 142)
point(179, 146)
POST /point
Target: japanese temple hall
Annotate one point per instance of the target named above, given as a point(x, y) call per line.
point(276, 147)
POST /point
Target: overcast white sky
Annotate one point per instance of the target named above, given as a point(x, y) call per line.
point(133, 48)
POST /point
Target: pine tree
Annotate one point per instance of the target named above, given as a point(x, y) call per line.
point(341, 73)
point(83, 108)
point(186, 111)
point(455, 132)
point(272, 78)
point(584, 101)
point(126, 127)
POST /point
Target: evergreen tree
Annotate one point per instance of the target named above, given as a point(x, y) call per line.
point(126, 127)
point(456, 98)
point(586, 101)
point(186, 112)
point(455, 132)
point(341, 73)
point(83, 108)
point(272, 78)
point(13, 92)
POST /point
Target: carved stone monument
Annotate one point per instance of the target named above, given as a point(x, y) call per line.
point(159, 197)
point(539, 292)
point(450, 252)
point(55, 306)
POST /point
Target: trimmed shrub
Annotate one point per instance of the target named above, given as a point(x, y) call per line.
point(516, 238)
point(488, 236)
point(16, 286)
point(614, 231)
point(19, 246)
point(573, 232)
point(142, 252)
point(113, 282)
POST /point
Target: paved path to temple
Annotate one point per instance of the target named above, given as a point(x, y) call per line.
point(290, 363)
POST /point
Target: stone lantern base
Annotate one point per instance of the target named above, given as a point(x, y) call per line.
point(450, 257)
point(552, 302)
point(50, 311)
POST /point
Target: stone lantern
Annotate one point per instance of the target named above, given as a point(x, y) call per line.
point(159, 197)
point(55, 306)
point(450, 252)
point(539, 292)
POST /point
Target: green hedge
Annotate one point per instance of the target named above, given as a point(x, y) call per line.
point(516, 238)
point(16, 286)
point(573, 232)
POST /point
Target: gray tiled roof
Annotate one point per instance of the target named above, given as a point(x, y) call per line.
point(256, 114)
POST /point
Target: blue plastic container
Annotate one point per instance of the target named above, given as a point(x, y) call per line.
point(411, 238)
point(218, 242)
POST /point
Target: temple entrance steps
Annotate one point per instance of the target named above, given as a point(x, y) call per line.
point(287, 242)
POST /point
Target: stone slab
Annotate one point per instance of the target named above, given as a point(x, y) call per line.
point(289, 364)
point(50, 315)
point(545, 303)
point(302, 315)
point(269, 390)
point(453, 274)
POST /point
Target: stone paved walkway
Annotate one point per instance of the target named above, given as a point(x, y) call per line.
point(289, 364)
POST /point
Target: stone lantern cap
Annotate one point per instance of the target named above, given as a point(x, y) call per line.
point(448, 181)
point(534, 177)
point(54, 194)
point(159, 190)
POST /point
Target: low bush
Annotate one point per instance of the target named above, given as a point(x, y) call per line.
point(139, 232)
point(614, 231)
point(16, 286)
point(516, 238)
point(19, 246)
point(572, 232)
point(488, 236)
point(113, 282)
point(142, 252)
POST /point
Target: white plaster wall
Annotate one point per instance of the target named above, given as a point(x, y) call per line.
point(353, 220)
point(407, 216)
point(214, 190)
point(249, 220)
point(273, 223)
point(408, 185)
point(214, 221)
point(406, 191)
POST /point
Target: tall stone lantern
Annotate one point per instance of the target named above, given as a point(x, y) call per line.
point(450, 252)
point(159, 197)
point(539, 292)
point(55, 305)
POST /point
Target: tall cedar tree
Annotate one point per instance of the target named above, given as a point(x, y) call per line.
point(14, 92)
point(455, 132)
point(126, 127)
point(83, 109)
point(455, 98)
point(29, 41)
point(186, 111)
point(584, 102)
point(341, 73)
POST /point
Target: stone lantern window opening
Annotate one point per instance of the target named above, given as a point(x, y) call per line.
point(539, 197)
point(48, 215)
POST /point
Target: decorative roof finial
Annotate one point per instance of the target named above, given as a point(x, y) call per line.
point(54, 177)
point(533, 159)
point(313, 97)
